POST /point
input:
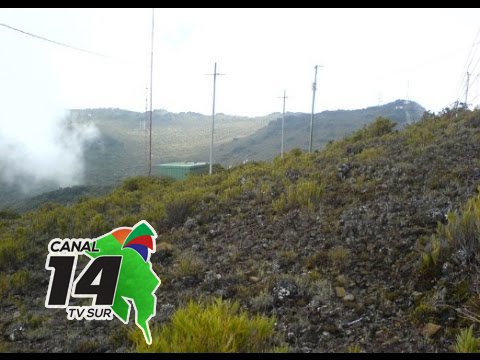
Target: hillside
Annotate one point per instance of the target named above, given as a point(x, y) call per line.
point(264, 144)
point(64, 196)
point(119, 151)
point(368, 245)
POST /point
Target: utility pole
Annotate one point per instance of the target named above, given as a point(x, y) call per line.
point(466, 90)
point(283, 123)
point(145, 132)
point(150, 112)
point(314, 88)
point(408, 118)
point(213, 116)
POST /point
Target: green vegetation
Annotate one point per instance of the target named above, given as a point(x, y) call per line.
point(219, 326)
point(189, 265)
point(184, 137)
point(460, 234)
point(278, 237)
point(303, 194)
point(338, 255)
point(12, 249)
point(466, 341)
point(354, 348)
point(329, 125)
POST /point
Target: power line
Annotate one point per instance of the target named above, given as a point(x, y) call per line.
point(52, 41)
point(468, 62)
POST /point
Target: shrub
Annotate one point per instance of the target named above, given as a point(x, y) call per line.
point(338, 255)
point(189, 264)
point(296, 152)
point(4, 282)
point(8, 215)
point(34, 321)
point(305, 194)
point(11, 251)
point(87, 346)
point(459, 236)
point(262, 302)
point(379, 127)
point(216, 327)
point(19, 280)
point(132, 184)
point(354, 348)
point(466, 341)
point(176, 212)
point(371, 154)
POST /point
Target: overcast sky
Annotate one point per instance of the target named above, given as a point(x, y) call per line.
point(370, 56)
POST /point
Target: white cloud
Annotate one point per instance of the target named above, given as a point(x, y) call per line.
point(366, 52)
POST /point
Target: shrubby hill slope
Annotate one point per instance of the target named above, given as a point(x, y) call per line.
point(368, 245)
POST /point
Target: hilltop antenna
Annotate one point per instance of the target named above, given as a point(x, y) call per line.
point(213, 116)
point(283, 122)
point(150, 112)
point(314, 88)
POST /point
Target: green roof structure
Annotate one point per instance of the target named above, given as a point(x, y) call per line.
point(180, 170)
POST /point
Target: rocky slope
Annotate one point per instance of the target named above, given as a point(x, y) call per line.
point(330, 243)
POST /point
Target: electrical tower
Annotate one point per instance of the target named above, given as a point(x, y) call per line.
point(314, 89)
point(283, 122)
point(215, 74)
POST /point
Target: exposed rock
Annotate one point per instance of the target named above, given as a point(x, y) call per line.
point(16, 334)
point(430, 329)
point(190, 224)
point(341, 280)
point(284, 289)
point(340, 291)
point(165, 312)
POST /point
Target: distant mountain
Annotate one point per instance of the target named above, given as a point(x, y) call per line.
point(264, 144)
point(119, 151)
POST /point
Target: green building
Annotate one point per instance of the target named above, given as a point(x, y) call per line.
point(180, 170)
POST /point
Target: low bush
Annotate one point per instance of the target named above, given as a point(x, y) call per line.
point(219, 326)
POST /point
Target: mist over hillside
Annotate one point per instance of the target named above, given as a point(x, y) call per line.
point(116, 148)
